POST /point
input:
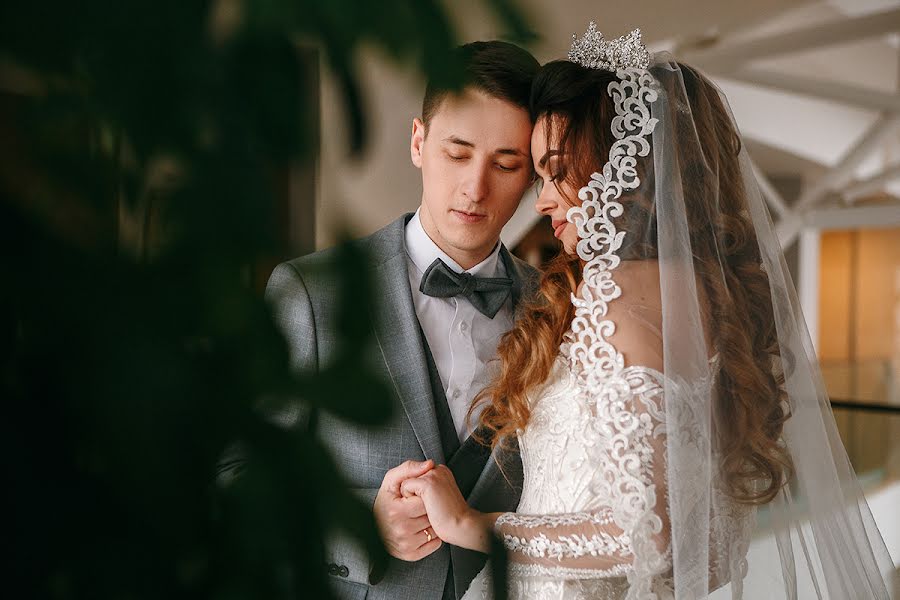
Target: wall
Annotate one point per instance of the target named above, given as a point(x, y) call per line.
point(859, 300)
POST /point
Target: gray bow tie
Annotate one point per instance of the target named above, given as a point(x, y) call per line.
point(487, 294)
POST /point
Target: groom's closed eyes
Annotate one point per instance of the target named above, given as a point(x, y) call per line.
point(507, 160)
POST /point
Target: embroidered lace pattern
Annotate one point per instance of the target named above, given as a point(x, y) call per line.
point(534, 570)
point(569, 546)
point(618, 410)
point(530, 521)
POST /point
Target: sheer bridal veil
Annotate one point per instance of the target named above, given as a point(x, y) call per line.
point(760, 498)
point(816, 538)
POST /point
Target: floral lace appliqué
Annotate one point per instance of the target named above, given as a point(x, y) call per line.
point(604, 428)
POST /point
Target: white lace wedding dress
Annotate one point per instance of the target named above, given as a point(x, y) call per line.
point(623, 497)
point(593, 518)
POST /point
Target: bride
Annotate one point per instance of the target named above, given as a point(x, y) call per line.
point(674, 431)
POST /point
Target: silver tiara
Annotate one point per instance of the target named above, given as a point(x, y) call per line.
point(594, 52)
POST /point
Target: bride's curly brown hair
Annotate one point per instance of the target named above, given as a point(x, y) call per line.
point(751, 405)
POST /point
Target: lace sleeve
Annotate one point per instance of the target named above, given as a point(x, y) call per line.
point(628, 475)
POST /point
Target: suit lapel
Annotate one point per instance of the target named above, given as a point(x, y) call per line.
point(397, 332)
point(495, 491)
point(468, 462)
point(399, 337)
point(510, 477)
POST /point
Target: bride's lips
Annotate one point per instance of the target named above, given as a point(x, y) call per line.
point(467, 217)
point(558, 227)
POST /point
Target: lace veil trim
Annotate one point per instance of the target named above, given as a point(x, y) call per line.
point(586, 346)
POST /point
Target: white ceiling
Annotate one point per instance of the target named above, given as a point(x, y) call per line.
point(788, 134)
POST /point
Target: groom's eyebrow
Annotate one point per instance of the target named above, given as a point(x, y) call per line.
point(461, 142)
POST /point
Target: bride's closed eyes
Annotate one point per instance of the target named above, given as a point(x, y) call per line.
point(557, 169)
point(552, 170)
point(550, 165)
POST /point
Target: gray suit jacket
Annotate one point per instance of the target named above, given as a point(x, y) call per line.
point(303, 295)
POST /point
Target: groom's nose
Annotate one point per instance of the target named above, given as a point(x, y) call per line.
point(476, 185)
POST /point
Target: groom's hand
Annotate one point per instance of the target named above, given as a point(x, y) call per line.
point(447, 509)
point(403, 521)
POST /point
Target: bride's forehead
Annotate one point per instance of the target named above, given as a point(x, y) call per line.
point(543, 146)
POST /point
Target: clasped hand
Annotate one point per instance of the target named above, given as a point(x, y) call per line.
point(449, 514)
point(419, 505)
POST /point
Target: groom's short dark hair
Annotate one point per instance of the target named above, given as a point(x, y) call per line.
point(499, 69)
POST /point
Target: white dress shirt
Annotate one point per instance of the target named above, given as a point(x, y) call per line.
point(462, 340)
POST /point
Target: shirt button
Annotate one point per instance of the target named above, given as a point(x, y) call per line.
point(463, 326)
point(455, 394)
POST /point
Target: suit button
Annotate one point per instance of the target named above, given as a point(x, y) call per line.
point(343, 571)
point(333, 569)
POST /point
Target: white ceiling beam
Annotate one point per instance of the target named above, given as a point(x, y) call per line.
point(791, 223)
point(882, 129)
point(728, 55)
point(826, 90)
point(854, 217)
point(870, 185)
point(842, 217)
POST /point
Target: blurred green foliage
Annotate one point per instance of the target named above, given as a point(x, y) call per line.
point(137, 144)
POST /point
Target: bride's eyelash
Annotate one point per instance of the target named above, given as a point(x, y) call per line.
point(558, 176)
point(556, 170)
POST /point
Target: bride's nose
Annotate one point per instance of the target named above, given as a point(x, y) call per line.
point(545, 203)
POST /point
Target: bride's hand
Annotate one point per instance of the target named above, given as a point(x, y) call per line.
point(452, 519)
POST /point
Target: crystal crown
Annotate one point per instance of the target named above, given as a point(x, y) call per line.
point(594, 52)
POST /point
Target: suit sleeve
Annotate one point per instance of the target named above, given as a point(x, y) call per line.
point(287, 295)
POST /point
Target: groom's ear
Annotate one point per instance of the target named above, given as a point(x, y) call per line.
point(417, 141)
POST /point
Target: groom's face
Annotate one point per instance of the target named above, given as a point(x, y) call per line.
point(476, 165)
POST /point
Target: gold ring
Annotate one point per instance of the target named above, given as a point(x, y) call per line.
point(428, 535)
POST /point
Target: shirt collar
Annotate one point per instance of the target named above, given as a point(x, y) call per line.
point(423, 251)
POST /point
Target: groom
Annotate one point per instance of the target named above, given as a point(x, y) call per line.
point(448, 290)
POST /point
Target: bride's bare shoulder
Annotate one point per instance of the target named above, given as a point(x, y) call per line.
point(637, 313)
